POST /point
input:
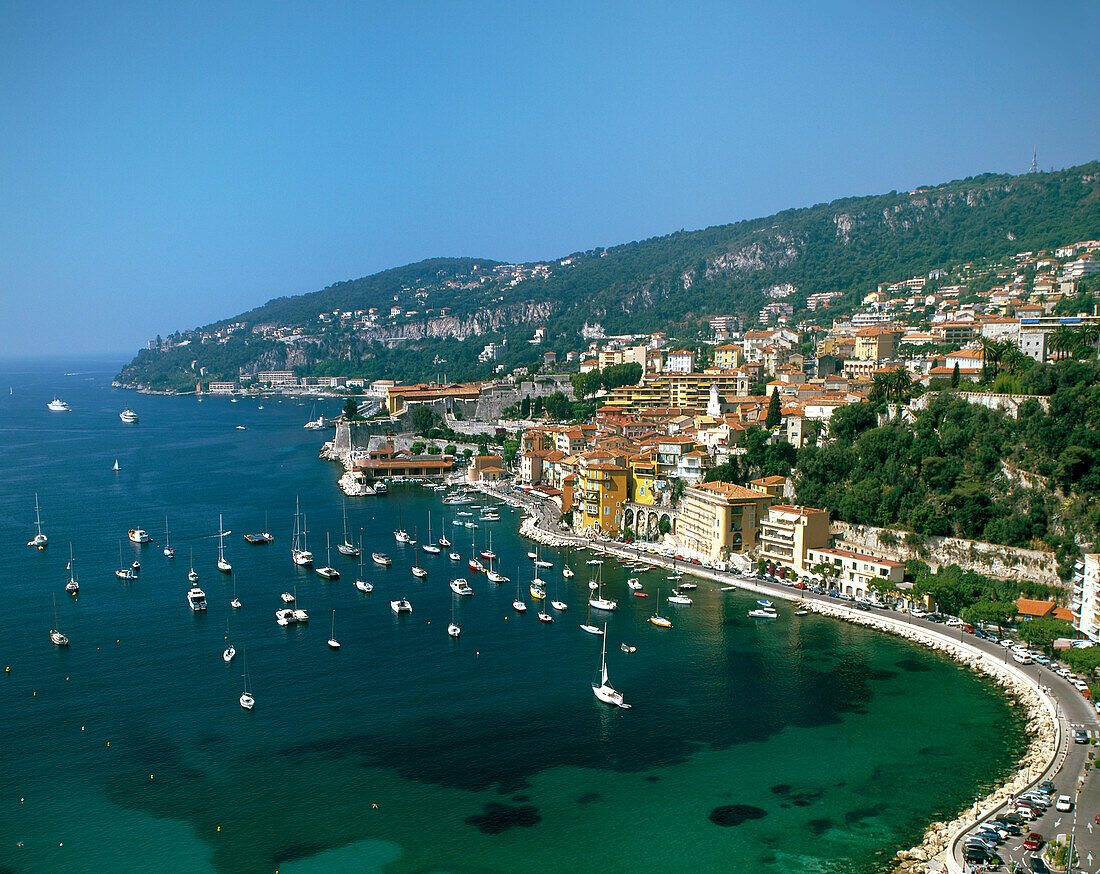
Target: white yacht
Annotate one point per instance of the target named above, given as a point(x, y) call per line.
point(677, 598)
point(402, 536)
point(605, 691)
point(599, 601)
point(56, 636)
point(298, 549)
point(461, 587)
point(129, 417)
point(347, 547)
point(246, 699)
point(328, 571)
point(58, 406)
point(193, 575)
point(39, 540)
point(72, 587)
point(381, 558)
point(494, 577)
point(224, 566)
point(401, 606)
point(364, 586)
point(332, 641)
point(419, 571)
point(196, 598)
point(138, 535)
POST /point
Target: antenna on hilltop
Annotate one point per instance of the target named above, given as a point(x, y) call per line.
point(1034, 161)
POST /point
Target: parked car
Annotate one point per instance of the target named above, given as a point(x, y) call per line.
point(1038, 866)
point(1025, 812)
point(1013, 828)
point(1064, 804)
point(1022, 657)
point(1046, 786)
point(1033, 841)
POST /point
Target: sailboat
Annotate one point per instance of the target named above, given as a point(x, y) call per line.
point(347, 547)
point(124, 573)
point(264, 536)
point(224, 566)
point(56, 636)
point(518, 603)
point(567, 571)
point(247, 701)
point(72, 587)
point(192, 575)
point(556, 604)
point(588, 626)
point(600, 602)
point(430, 547)
point(227, 655)
point(332, 641)
point(236, 602)
point(453, 630)
point(300, 615)
point(298, 551)
point(168, 550)
point(116, 465)
point(488, 554)
point(361, 584)
point(657, 619)
point(417, 570)
point(443, 541)
point(605, 691)
point(328, 571)
point(39, 540)
point(401, 535)
point(475, 565)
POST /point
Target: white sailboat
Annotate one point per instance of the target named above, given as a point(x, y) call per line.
point(116, 465)
point(39, 540)
point(124, 573)
point(169, 552)
point(605, 691)
point(567, 571)
point(360, 582)
point(300, 615)
point(518, 604)
point(430, 547)
point(600, 602)
point(588, 626)
point(328, 571)
point(347, 547)
point(56, 636)
point(332, 641)
point(72, 587)
point(246, 699)
point(236, 602)
point(298, 551)
point(224, 566)
point(229, 652)
point(656, 618)
point(453, 630)
point(417, 570)
point(192, 575)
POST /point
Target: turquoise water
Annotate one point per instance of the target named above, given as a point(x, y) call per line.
point(829, 745)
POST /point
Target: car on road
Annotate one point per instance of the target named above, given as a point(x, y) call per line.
point(1080, 736)
point(1063, 804)
point(1046, 786)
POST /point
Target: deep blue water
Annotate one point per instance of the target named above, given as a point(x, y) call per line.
point(407, 750)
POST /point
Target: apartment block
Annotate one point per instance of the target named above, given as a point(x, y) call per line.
point(787, 532)
point(719, 519)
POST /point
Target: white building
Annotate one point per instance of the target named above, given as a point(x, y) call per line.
point(1085, 599)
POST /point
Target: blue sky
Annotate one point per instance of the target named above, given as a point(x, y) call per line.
point(163, 165)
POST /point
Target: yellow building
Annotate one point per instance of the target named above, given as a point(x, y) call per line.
point(718, 519)
point(728, 356)
point(601, 492)
point(643, 479)
point(788, 532)
point(609, 357)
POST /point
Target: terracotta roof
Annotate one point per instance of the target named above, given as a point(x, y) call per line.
point(729, 490)
point(1029, 607)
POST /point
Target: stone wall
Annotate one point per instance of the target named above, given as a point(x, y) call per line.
point(1005, 562)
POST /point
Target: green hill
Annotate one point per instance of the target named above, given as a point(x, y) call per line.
point(673, 283)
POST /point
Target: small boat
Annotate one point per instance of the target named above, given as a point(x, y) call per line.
point(658, 620)
point(224, 566)
point(764, 613)
point(364, 586)
point(545, 617)
point(116, 467)
point(241, 428)
point(678, 599)
point(488, 554)
point(300, 615)
point(537, 591)
point(453, 630)
point(640, 594)
point(490, 517)
point(430, 547)
point(380, 488)
point(454, 556)
point(56, 636)
point(284, 617)
point(588, 626)
point(72, 587)
point(463, 513)
point(444, 543)
point(129, 417)
point(347, 547)
point(461, 587)
point(192, 575)
point(494, 577)
point(600, 602)
point(328, 572)
point(124, 573)
point(299, 552)
point(246, 699)
point(633, 583)
point(418, 571)
point(169, 552)
point(594, 561)
point(138, 535)
point(229, 651)
point(196, 598)
point(402, 536)
point(401, 606)
point(457, 523)
point(626, 648)
point(518, 605)
point(687, 587)
point(40, 540)
point(559, 605)
point(542, 563)
point(802, 611)
point(470, 524)
point(567, 573)
point(763, 602)
point(264, 536)
point(58, 406)
point(287, 598)
point(381, 558)
point(532, 555)
point(605, 692)
point(728, 589)
point(236, 602)
point(332, 641)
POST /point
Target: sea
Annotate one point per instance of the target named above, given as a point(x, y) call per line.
point(797, 745)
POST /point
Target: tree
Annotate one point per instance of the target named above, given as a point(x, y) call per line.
point(449, 449)
point(848, 422)
point(775, 412)
point(482, 448)
point(664, 526)
point(558, 407)
point(955, 375)
point(423, 419)
point(417, 448)
point(536, 407)
point(1043, 632)
point(997, 613)
point(467, 453)
point(509, 450)
point(525, 407)
point(351, 410)
point(433, 449)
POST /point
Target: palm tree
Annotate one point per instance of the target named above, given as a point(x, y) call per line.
point(1062, 341)
point(899, 384)
point(1089, 336)
point(992, 352)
